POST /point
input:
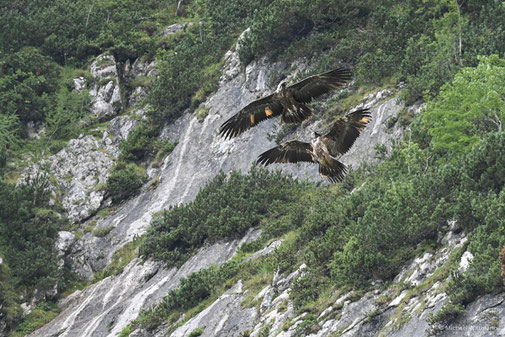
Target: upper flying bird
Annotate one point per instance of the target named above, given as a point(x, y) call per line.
point(286, 101)
point(324, 150)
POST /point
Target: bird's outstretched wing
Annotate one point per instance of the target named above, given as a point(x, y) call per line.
point(317, 85)
point(345, 130)
point(252, 114)
point(332, 170)
point(289, 152)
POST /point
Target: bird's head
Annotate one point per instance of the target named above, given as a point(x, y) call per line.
point(281, 86)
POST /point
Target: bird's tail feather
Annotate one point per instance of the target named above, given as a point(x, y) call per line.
point(334, 171)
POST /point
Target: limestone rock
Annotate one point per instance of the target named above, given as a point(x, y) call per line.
point(225, 317)
point(80, 83)
point(106, 100)
point(139, 73)
point(35, 129)
point(172, 29)
point(105, 308)
point(80, 168)
point(121, 126)
point(63, 244)
point(104, 66)
point(466, 259)
point(105, 92)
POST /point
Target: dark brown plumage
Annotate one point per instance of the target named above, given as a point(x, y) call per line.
point(289, 102)
point(323, 150)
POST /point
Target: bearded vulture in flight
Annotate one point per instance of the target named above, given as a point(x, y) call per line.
point(324, 150)
point(289, 102)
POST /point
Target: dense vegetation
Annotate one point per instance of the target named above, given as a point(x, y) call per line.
point(226, 207)
point(28, 233)
point(421, 43)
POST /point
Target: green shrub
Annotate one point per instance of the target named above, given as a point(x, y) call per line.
point(28, 233)
point(308, 325)
point(190, 65)
point(74, 31)
point(485, 242)
point(139, 144)
point(10, 310)
point(226, 207)
point(196, 333)
point(192, 289)
point(444, 316)
point(307, 288)
point(467, 108)
point(124, 181)
point(163, 148)
point(64, 121)
point(28, 83)
point(102, 231)
point(484, 169)
point(41, 315)
point(120, 259)
point(9, 136)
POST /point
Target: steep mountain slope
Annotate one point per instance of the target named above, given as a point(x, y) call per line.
point(396, 311)
point(407, 244)
point(199, 156)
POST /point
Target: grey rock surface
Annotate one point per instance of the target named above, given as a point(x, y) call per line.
point(365, 317)
point(63, 244)
point(483, 318)
point(83, 165)
point(139, 73)
point(104, 92)
point(120, 127)
point(75, 173)
point(224, 317)
point(106, 307)
point(79, 168)
point(172, 29)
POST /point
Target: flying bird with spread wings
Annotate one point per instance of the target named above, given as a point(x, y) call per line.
point(323, 150)
point(287, 101)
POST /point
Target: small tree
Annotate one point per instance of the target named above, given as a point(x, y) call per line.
point(64, 120)
point(472, 105)
point(9, 127)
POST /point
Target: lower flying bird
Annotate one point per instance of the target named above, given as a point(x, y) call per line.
point(289, 102)
point(324, 150)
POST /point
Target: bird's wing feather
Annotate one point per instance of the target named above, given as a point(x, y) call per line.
point(345, 131)
point(317, 85)
point(251, 115)
point(333, 170)
point(289, 152)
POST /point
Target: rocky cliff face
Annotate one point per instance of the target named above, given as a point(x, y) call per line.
point(400, 310)
point(106, 307)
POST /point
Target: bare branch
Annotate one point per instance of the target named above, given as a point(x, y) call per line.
point(179, 5)
point(89, 13)
point(498, 121)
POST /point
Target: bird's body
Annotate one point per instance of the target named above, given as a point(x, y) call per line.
point(324, 150)
point(320, 153)
point(289, 102)
point(295, 111)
